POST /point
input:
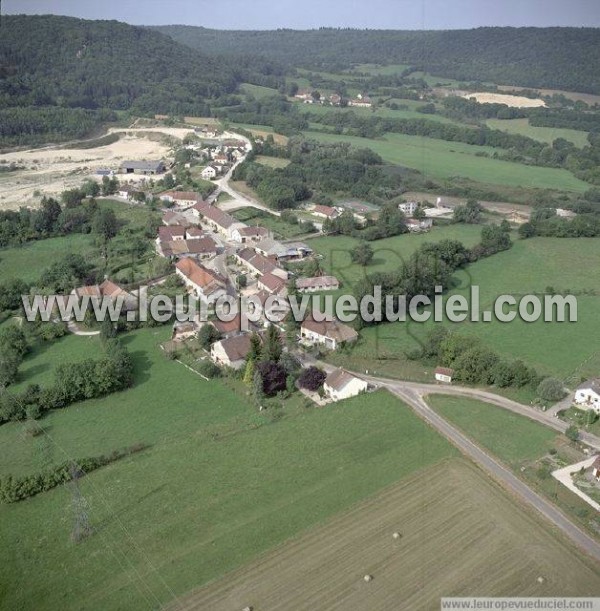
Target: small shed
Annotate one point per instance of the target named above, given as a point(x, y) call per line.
point(444, 375)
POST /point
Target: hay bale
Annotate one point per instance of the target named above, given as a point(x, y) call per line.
point(368, 578)
point(540, 579)
point(396, 535)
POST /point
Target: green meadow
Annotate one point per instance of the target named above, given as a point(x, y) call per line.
point(444, 160)
point(219, 484)
point(543, 134)
point(530, 266)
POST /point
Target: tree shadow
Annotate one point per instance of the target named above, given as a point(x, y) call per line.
point(141, 367)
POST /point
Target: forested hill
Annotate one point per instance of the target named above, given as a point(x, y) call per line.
point(560, 58)
point(62, 61)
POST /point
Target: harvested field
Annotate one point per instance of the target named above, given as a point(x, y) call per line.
point(588, 98)
point(516, 101)
point(460, 536)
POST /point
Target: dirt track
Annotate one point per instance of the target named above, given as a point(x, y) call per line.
point(461, 535)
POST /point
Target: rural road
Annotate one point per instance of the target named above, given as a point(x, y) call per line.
point(412, 397)
point(413, 393)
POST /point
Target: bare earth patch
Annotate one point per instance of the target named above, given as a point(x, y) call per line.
point(51, 170)
point(516, 101)
point(459, 535)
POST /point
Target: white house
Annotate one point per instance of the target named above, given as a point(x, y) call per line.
point(330, 334)
point(326, 212)
point(231, 351)
point(409, 208)
point(415, 226)
point(320, 283)
point(185, 199)
point(209, 172)
point(444, 374)
point(249, 234)
point(587, 396)
point(340, 384)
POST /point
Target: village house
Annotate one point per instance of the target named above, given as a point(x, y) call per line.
point(335, 99)
point(409, 208)
point(305, 95)
point(254, 262)
point(232, 327)
point(587, 395)
point(444, 374)
point(340, 384)
point(231, 351)
point(127, 192)
point(275, 285)
point(244, 235)
point(107, 289)
point(197, 248)
point(330, 334)
point(184, 199)
point(319, 283)
point(183, 330)
point(419, 226)
point(146, 168)
point(217, 220)
point(326, 212)
point(206, 284)
point(209, 172)
point(194, 233)
point(174, 218)
point(171, 233)
point(361, 101)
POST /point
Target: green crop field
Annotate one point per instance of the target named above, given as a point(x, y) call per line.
point(280, 229)
point(220, 484)
point(443, 160)
point(543, 134)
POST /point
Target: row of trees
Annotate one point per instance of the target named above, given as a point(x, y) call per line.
point(430, 266)
point(473, 363)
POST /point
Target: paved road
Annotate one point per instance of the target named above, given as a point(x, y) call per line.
point(238, 200)
point(412, 397)
point(413, 394)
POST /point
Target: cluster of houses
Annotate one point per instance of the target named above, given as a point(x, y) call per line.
point(221, 157)
point(308, 96)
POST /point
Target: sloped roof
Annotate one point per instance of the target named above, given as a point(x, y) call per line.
point(236, 347)
point(593, 384)
point(170, 232)
point(202, 277)
point(339, 378)
point(332, 330)
point(273, 283)
point(319, 281)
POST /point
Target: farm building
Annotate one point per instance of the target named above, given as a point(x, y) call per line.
point(320, 283)
point(330, 334)
point(142, 167)
point(587, 395)
point(231, 351)
point(415, 226)
point(340, 384)
point(444, 374)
